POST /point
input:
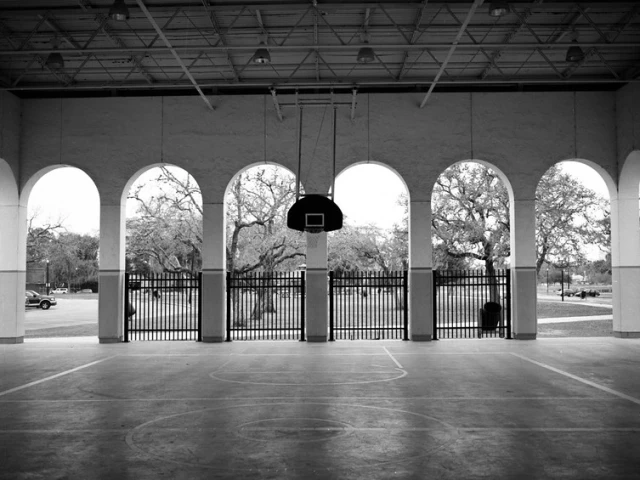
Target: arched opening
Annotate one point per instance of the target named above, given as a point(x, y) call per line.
point(62, 254)
point(573, 251)
point(263, 256)
point(368, 257)
point(375, 202)
point(471, 235)
point(163, 255)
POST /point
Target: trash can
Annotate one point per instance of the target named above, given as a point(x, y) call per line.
point(489, 317)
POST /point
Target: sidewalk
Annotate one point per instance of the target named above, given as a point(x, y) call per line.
point(575, 319)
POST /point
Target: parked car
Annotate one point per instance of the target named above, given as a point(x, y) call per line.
point(59, 291)
point(34, 299)
point(568, 292)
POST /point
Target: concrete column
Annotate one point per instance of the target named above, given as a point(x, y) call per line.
point(317, 300)
point(12, 272)
point(111, 277)
point(420, 272)
point(625, 260)
point(213, 273)
point(523, 270)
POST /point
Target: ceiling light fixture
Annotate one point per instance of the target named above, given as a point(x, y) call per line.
point(262, 55)
point(119, 11)
point(54, 60)
point(574, 53)
point(499, 9)
point(366, 54)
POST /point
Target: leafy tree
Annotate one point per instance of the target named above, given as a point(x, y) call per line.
point(569, 216)
point(166, 233)
point(258, 239)
point(470, 217)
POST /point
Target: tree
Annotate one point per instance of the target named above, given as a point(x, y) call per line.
point(166, 233)
point(258, 239)
point(569, 216)
point(39, 239)
point(470, 217)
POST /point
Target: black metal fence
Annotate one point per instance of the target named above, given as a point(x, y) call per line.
point(368, 306)
point(165, 306)
point(471, 304)
point(266, 306)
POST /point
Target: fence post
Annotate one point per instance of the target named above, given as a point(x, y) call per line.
point(406, 304)
point(331, 337)
point(228, 306)
point(303, 290)
point(508, 304)
point(199, 292)
point(435, 305)
point(126, 305)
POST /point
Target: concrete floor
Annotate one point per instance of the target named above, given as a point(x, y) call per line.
point(458, 409)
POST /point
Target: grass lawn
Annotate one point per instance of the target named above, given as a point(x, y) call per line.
point(569, 309)
point(594, 328)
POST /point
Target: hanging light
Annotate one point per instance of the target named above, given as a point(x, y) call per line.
point(574, 53)
point(54, 60)
point(262, 55)
point(119, 11)
point(366, 54)
point(498, 9)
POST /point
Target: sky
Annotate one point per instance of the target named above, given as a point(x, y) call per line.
point(366, 193)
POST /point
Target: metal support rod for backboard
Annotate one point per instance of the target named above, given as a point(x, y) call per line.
point(299, 152)
point(333, 178)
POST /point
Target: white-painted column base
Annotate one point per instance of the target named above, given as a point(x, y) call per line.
point(421, 304)
point(213, 306)
point(317, 305)
point(626, 302)
point(111, 306)
point(12, 306)
point(524, 302)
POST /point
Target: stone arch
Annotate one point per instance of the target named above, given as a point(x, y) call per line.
point(602, 173)
point(485, 163)
point(193, 258)
point(229, 249)
point(381, 164)
point(143, 170)
point(31, 182)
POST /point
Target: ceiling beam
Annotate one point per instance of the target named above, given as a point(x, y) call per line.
point(328, 48)
point(102, 20)
point(336, 84)
point(609, 38)
point(414, 35)
point(463, 28)
point(495, 56)
point(223, 41)
point(174, 53)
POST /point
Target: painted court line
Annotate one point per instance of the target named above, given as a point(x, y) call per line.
point(580, 379)
point(31, 384)
point(303, 399)
point(393, 358)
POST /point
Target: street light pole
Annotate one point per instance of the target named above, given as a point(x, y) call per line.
point(46, 282)
point(547, 279)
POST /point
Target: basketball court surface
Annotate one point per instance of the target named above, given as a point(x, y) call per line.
point(453, 409)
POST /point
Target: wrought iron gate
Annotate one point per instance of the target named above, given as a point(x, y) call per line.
point(165, 306)
point(368, 306)
point(471, 303)
point(266, 306)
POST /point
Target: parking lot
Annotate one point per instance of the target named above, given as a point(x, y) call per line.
point(74, 313)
